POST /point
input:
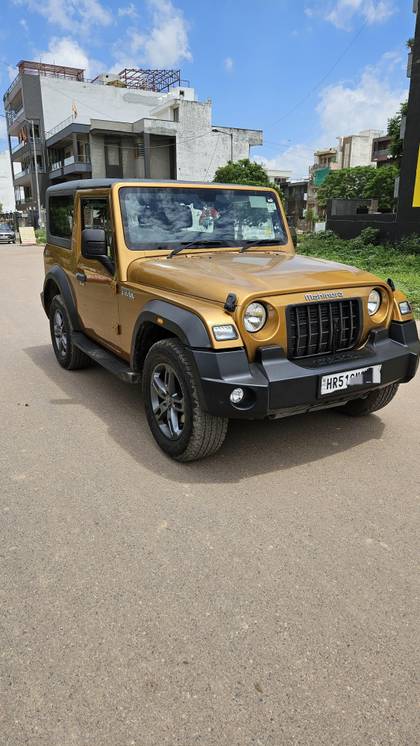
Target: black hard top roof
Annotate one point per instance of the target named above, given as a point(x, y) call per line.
point(67, 187)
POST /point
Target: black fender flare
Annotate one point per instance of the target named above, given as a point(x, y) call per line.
point(58, 276)
point(184, 324)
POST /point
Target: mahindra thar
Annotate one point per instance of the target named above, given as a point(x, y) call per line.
point(195, 291)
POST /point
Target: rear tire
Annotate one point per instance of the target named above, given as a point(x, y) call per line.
point(176, 418)
point(68, 355)
point(376, 400)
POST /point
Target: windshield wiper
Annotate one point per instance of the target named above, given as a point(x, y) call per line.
point(198, 244)
point(262, 242)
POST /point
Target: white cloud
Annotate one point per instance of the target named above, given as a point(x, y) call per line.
point(66, 51)
point(167, 43)
point(341, 13)
point(7, 196)
point(346, 109)
point(129, 11)
point(228, 63)
point(164, 44)
point(295, 158)
point(75, 16)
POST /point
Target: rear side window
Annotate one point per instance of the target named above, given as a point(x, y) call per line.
point(61, 215)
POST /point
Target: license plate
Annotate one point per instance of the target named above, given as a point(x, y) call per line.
point(350, 378)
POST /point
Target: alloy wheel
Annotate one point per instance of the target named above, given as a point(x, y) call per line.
point(60, 334)
point(167, 401)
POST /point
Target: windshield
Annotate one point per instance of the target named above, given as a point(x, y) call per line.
point(165, 217)
point(4, 227)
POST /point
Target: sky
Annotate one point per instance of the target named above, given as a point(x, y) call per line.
point(303, 71)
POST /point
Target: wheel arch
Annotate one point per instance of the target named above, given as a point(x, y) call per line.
point(57, 283)
point(160, 320)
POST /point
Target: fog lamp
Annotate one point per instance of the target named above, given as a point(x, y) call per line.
point(405, 307)
point(237, 395)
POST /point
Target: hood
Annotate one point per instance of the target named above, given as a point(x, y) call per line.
point(212, 276)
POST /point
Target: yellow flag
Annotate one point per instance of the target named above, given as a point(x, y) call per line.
point(74, 109)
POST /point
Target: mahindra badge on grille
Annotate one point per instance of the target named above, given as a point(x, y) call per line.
point(324, 296)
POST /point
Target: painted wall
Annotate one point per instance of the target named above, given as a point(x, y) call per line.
point(200, 151)
point(94, 102)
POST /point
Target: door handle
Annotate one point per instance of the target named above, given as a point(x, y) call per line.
point(81, 277)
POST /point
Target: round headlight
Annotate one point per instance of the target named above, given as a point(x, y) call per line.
point(255, 317)
point(374, 301)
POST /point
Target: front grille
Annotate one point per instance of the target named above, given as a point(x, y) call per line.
point(323, 328)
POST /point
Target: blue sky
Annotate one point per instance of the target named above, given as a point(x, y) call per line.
point(304, 71)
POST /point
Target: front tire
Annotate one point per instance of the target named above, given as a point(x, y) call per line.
point(375, 400)
point(67, 354)
point(176, 418)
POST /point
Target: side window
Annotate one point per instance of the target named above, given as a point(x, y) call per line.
point(61, 215)
point(96, 214)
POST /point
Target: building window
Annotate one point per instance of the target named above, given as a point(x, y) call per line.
point(176, 113)
point(61, 215)
point(139, 149)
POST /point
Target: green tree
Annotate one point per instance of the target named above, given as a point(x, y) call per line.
point(361, 182)
point(242, 172)
point(394, 127)
point(382, 187)
point(245, 172)
point(346, 183)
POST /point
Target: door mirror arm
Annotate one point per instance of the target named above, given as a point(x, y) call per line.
point(107, 263)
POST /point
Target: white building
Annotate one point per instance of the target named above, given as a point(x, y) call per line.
point(139, 124)
point(356, 150)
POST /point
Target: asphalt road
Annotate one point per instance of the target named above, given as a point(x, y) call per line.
point(265, 597)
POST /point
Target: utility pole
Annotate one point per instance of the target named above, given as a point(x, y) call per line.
point(36, 174)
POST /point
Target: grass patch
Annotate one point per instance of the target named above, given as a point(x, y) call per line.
point(401, 263)
point(41, 235)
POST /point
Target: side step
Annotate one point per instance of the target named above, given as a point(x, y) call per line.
point(105, 358)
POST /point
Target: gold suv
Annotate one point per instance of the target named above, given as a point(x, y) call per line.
point(195, 290)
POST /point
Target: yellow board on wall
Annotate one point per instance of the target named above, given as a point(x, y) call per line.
point(416, 195)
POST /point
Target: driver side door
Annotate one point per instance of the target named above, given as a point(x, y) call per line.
point(96, 288)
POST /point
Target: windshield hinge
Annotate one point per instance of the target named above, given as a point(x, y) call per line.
point(231, 302)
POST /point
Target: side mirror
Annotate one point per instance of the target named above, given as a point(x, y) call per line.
point(94, 247)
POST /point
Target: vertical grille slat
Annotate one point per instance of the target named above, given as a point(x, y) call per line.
point(323, 328)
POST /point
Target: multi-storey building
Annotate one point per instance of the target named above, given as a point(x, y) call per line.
point(140, 123)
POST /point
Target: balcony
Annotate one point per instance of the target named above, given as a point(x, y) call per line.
point(24, 202)
point(23, 178)
point(77, 165)
point(14, 117)
point(26, 148)
point(71, 165)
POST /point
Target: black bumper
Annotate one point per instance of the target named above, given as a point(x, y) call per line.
point(275, 386)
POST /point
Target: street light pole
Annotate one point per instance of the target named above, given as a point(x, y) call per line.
point(36, 174)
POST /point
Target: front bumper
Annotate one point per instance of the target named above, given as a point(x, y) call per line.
point(277, 387)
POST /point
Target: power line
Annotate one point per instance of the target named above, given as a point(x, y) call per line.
point(324, 77)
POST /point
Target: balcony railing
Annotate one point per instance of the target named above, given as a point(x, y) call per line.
point(29, 142)
point(11, 86)
point(27, 171)
point(72, 159)
point(60, 126)
point(12, 116)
